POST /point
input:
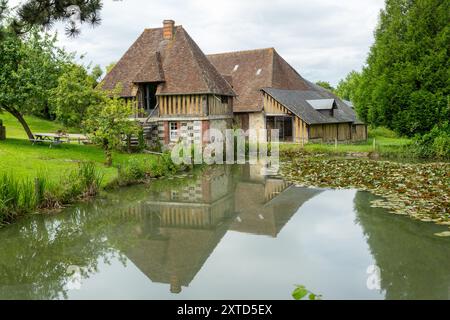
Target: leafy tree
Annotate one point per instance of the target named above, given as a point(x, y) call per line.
point(73, 95)
point(30, 68)
point(96, 73)
point(405, 84)
point(326, 85)
point(45, 13)
point(108, 124)
point(347, 87)
point(110, 66)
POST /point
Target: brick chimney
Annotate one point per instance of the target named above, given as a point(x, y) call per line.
point(168, 29)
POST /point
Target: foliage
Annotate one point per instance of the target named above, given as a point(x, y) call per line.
point(96, 73)
point(419, 191)
point(435, 144)
point(45, 13)
point(30, 69)
point(22, 195)
point(405, 85)
point(326, 85)
point(73, 95)
point(301, 292)
point(135, 170)
point(108, 124)
point(346, 88)
point(110, 66)
point(381, 132)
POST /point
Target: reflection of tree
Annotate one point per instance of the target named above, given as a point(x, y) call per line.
point(414, 263)
point(35, 255)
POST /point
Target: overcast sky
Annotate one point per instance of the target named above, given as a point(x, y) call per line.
point(321, 39)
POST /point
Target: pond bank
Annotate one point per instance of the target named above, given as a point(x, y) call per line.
point(420, 190)
point(22, 196)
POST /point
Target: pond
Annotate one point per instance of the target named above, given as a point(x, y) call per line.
point(224, 233)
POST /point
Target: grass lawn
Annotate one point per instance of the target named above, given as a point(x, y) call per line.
point(19, 157)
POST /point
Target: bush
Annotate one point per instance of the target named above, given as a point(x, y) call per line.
point(21, 196)
point(435, 144)
point(381, 132)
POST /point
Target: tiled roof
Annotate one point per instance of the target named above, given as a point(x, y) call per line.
point(297, 102)
point(255, 69)
point(178, 64)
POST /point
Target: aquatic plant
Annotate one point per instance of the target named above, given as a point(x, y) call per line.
point(301, 292)
point(419, 190)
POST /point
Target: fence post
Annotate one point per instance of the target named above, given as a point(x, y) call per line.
point(335, 143)
point(374, 144)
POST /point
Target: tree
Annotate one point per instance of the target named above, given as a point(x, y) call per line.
point(108, 124)
point(73, 95)
point(405, 83)
point(347, 87)
point(110, 66)
point(325, 85)
point(96, 73)
point(30, 67)
point(45, 13)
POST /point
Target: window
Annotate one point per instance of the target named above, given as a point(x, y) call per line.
point(173, 131)
point(224, 99)
point(258, 72)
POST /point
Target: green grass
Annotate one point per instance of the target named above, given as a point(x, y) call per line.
point(15, 130)
point(24, 160)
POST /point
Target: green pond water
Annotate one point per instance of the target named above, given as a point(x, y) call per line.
point(224, 233)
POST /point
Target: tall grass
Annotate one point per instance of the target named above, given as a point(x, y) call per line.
point(19, 196)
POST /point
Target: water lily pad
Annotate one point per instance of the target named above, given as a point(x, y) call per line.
point(443, 234)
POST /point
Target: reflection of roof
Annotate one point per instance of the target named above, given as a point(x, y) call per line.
point(179, 256)
point(259, 213)
point(174, 240)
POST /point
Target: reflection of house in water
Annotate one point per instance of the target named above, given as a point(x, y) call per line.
point(265, 204)
point(180, 228)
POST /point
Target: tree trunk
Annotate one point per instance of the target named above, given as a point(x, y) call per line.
point(108, 155)
point(21, 119)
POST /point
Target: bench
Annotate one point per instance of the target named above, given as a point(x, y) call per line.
point(51, 141)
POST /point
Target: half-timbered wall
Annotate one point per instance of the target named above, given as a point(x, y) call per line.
point(273, 107)
point(330, 132)
point(194, 105)
point(217, 106)
point(182, 105)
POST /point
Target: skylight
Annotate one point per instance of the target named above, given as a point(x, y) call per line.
point(321, 104)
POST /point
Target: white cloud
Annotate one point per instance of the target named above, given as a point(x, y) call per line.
point(322, 39)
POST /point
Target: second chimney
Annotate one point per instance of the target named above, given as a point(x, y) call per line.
point(168, 29)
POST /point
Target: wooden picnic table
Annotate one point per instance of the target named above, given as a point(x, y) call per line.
point(56, 138)
point(53, 138)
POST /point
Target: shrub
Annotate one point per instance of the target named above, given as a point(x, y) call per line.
point(381, 132)
point(89, 177)
point(435, 144)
